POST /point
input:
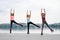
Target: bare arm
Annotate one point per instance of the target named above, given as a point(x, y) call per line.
point(10, 11)
point(41, 10)
point(44, 11)
point(30, 13)
point(13, 11)
point(26, 13)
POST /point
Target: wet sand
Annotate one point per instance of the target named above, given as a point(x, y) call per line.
point(32, 36)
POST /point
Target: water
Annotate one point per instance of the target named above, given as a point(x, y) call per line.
point(17, 27)
point(5, 28)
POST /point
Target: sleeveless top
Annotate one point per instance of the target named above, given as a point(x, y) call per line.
point(28, 19)
point(11, 17)
point(43, 17)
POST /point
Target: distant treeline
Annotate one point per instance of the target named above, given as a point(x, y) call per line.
point(16, 27)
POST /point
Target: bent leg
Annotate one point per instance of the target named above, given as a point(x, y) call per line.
point(48, 26)
point(17, 23)
point(34, 24)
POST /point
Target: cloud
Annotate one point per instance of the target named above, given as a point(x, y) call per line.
point(52, 10)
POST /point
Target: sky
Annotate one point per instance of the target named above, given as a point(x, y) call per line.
point(21, 6)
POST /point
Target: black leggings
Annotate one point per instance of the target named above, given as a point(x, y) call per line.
point(43, 26)
point(12, 21)
point(28, 26)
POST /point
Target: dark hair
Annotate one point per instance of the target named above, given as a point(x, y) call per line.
point(12, 14)
point(28, 15)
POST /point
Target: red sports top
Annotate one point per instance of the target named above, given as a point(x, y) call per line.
point(43, 17)
point(12, 17)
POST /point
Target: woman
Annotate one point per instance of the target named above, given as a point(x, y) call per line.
point(29, 22)
point(43, 14)
point(12, 20)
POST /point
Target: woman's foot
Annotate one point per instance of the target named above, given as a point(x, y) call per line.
point(52, 30)
point(27, 32)
point(41, 33)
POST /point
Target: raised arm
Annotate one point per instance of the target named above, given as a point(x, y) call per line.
point(41, 10)
point(44, 11)
point(27, 12)
point(12, 11)
point(30, 13)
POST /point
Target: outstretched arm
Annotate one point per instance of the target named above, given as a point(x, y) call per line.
point(44, 11)
point(12, 11)
point(30, 13)
point(27, 12)
point(41, 10)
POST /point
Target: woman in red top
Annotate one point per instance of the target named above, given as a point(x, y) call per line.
point(12, 20)
point(43, 14)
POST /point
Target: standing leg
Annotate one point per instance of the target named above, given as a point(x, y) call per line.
point(28, 28)
point(17, 23)
point(49, 27)
point(42, 28)
point(35, 24)
point(10, 26)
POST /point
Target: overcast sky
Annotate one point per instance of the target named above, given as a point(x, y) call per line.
point(21, 6)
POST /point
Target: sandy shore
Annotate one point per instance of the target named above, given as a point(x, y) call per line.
point(24, 36)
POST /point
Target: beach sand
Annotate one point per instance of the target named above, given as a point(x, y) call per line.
point(32, 36)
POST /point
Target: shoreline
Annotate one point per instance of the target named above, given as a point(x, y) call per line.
point(23, 36)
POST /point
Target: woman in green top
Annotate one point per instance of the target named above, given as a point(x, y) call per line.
point(29, 22)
